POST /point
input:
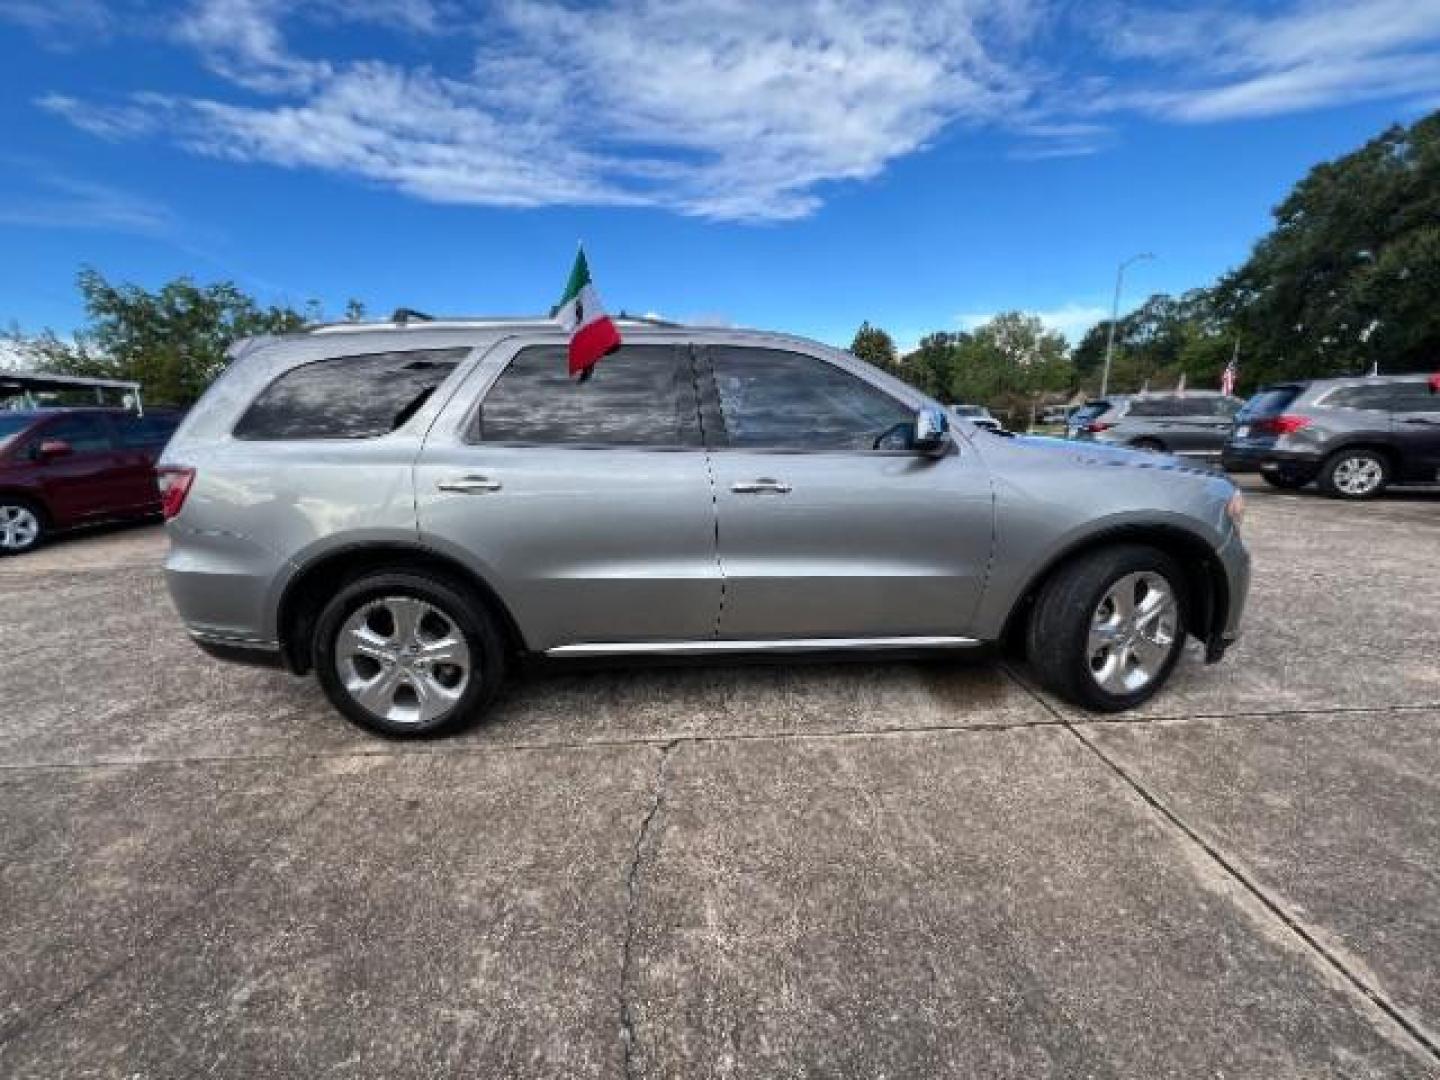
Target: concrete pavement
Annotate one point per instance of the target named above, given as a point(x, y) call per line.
point(889, 868)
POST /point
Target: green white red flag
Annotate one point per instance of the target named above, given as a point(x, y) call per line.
point(592, 333)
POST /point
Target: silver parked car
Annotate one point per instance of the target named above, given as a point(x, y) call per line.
point(1191, 423)
point(405, 509)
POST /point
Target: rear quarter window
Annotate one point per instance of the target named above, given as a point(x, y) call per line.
point(348, 397)
point(1271, 401)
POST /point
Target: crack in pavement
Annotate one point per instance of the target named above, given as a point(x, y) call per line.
point(632, 901)
point(1422, 1039)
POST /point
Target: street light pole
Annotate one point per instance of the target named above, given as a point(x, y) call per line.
point(1115, 317)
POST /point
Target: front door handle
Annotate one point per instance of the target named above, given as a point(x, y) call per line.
point(756, 487)
point(465, 485)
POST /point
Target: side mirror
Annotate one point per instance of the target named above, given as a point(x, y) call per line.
point(932, 432)
point(50, 449)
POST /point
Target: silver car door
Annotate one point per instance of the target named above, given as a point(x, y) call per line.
point(586, 504)
point(821, 533)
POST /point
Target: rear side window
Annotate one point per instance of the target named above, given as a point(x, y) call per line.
point(1272, 401)
point(1375, 397)
point(146, 432)
point(640, 395)
point(1157, 406)
point(782, 400)
point(348, 397)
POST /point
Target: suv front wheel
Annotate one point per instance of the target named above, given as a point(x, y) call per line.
point(407, 653)
point(1108, 627)
point(1355, 474)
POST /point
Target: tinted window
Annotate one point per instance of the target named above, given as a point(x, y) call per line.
point(775, 399)
point(1376, 397)
point(1089, 411)
point(1272, 401)
point(1225, 406)
point(1413, 397)
point(347, 397)
point(641, 395)
point(1155, 406)
point(85, 434)
point(147, 432)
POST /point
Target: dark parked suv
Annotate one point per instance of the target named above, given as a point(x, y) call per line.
point(1191, 423)
point(66, 467)
point(1354, 436)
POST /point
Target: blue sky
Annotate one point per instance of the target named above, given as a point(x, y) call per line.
point(801, 165)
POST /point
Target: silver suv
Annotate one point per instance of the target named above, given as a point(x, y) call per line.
point(406, 509)
point(1191, 423)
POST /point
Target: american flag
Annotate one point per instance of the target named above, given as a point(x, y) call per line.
point(1232, 369)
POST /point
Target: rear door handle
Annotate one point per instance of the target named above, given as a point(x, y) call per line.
point(756, 487)
point(466, 485)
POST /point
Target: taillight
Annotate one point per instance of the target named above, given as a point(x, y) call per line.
point(175, 484)
point(1096, 426)
point(1284, 424)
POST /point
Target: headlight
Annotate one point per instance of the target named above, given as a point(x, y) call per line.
point(1235, 508)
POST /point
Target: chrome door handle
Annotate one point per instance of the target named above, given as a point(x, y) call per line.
point(464, 485)
point(755, 487)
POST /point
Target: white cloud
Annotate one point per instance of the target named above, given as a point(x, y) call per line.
point(735, 111)
point(1218, 62)
point(729, 109)
point(1071, 320)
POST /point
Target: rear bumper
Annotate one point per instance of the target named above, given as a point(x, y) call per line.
point(249, 653)
point(1268, 459)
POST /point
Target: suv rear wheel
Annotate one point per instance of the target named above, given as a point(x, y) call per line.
point(1355, 474)
point(1108, 628)
point(408, 653)
point(22, 526)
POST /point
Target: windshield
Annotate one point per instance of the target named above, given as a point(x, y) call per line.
point(1271, 401)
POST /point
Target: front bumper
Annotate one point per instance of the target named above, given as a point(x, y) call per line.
point(1235, 563)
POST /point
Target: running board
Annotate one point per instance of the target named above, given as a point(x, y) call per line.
point(702, 648)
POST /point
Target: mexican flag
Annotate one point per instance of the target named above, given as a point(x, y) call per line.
point(592, 334)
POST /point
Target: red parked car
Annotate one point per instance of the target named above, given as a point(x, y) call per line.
point(65, 467)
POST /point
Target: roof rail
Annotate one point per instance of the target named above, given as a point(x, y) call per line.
point(408, 317)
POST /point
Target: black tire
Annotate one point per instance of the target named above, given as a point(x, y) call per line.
point(1333, 480)
point(23, 526)
point(1058, 633)
point(1150, 446)
point(455, 602)
point(1285, 481)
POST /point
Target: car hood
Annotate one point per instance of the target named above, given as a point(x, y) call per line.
point(1102, 455)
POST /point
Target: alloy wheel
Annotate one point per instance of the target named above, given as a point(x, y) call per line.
point(403, 660)
point(1358, 475)
point(19, 527)
point(1132, 632)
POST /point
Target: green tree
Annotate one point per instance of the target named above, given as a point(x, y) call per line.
point(172, 340)
point(874, 346)
point(1350, 272)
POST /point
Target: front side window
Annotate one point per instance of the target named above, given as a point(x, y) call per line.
point(85, 434)
point(348, 397)
point(640, 395)
point(771, 399)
